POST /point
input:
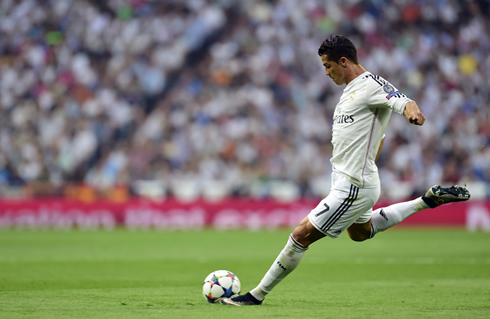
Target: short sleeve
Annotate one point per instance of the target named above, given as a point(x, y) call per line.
point(382, 94)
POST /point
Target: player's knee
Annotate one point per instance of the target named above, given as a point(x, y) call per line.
point(300, 233)
point(306, 234)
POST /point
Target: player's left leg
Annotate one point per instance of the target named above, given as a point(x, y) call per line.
point(300, 239)
point(383, 218)
point(331, 217)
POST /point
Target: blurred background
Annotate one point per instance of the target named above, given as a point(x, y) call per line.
point(195, 99)
point(200, 115)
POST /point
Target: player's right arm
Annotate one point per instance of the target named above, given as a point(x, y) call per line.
point(413, 114)
point(382, 94)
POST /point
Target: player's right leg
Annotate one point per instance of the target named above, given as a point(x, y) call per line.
point(386, 217)
point(437, 195)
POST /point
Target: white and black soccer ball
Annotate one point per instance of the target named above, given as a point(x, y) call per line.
point(220, 284)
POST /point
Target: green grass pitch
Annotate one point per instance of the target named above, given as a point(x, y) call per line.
point(402, 273)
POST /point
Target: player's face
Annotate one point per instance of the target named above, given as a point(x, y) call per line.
point(334, 70)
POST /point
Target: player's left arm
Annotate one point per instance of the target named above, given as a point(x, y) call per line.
point(413, 114)
point(380, 149)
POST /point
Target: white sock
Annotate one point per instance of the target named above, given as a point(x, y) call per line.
point(286, 262)
point(386, 217)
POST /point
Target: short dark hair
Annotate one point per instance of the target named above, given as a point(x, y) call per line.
point(338, 46)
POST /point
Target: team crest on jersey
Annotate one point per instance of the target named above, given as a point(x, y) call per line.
point(388, 88)
point(352, 96)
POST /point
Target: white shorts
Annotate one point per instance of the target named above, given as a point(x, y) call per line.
point(345, 205)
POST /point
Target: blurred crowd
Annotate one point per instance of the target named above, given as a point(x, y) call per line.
point(229, 98)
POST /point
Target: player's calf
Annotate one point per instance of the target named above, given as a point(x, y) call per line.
point(360, 232)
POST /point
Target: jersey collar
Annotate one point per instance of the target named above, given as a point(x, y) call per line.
point(357, 79)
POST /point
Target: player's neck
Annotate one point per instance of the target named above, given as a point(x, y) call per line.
point(353, 72)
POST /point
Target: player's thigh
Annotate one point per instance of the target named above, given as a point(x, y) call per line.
point(341, 208)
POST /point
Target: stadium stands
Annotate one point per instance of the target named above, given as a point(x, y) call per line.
point(228, 98)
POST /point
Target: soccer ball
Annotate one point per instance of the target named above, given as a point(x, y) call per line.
point(220, 284)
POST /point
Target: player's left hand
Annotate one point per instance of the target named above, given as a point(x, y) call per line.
point(416, 118)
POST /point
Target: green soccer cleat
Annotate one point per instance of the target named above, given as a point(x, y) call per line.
point(437, 195)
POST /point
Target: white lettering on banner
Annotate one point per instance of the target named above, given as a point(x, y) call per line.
point(142, 215)
point(45, 217)
point(84, 221)
point(26, 218)
point(253, 220)
point(54, 217)
point(144, 218)
point(159, 220)
point(276, 218)
point(228, 218)
point(93, 219)
point(478, 216)
point(179, 218)
point(196, 218)
point(297, 215)
point(182, 219)
point(5, 220)
point(106, 218)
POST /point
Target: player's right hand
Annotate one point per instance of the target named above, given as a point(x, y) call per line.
point(413, 114)
point(416, 118)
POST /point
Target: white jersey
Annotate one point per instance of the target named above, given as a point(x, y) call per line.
point(359, 122)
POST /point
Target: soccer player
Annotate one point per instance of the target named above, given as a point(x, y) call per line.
point(359, 123)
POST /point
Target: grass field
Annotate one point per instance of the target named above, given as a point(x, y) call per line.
point(402, 273)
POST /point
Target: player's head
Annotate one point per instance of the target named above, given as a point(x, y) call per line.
point(337, 47)
point(338, 54)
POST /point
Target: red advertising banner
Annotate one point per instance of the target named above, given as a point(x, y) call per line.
point(228, 214)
